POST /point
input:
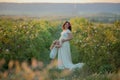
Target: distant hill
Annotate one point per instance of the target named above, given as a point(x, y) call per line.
point(59, 9)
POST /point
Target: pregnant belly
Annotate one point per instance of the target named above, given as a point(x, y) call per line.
point(62, 38)
point(65, 44)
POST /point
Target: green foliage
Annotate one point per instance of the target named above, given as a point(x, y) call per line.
point(23, 40)
point(95, 44)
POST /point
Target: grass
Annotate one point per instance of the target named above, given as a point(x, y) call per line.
point(36, 70)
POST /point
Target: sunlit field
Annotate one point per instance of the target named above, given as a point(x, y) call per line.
point(25, 42)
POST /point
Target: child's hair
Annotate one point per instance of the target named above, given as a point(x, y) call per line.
point(57, 41)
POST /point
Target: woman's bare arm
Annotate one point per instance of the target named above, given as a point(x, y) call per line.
point(58, 46)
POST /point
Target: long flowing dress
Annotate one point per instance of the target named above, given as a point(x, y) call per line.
point(64, 54)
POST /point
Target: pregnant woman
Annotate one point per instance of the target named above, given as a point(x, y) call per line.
point(64, 53)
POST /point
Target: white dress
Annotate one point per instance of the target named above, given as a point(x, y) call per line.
point(53, 53)
point(64, 54)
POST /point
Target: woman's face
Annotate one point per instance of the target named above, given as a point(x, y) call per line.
point(66, 25)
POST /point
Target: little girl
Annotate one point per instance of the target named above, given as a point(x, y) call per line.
point(54, 47)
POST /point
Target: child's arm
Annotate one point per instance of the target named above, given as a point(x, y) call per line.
point(52, 45)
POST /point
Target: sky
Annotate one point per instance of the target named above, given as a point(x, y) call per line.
point(61, 1)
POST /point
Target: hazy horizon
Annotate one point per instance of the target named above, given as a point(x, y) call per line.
point(54, 9)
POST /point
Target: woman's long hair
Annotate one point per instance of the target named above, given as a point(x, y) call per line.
point(70, 28)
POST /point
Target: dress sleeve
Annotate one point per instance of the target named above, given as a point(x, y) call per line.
point(68, 31)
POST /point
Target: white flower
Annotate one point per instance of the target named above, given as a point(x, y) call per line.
point(7, 50)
